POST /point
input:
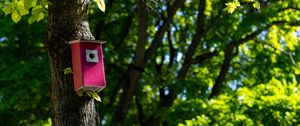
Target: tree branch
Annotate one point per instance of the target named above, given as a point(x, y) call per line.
point(204, 56)
point(200, 32)
point(124, 31)
point(220, 79)
point(288, 54)
point(171, 49)
point(139, 108)
point(168, 100)
point(133, 74)
point(229, 55)
point(258, 31)
point(142, 33)
point(162, 29)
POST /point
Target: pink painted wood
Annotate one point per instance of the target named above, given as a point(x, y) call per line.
point(87, 65)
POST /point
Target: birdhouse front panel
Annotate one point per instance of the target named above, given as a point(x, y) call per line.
point(88, 66)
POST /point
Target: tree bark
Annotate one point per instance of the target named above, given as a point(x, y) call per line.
point(68, 21)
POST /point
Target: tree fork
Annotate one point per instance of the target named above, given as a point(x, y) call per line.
point(68, 21)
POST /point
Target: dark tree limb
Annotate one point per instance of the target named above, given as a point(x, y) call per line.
point(200, 58)
point(136, 70)
point(224, 68)
point(124, 32)
point(162, 29)
point(171, 49)
point(139, 108)
point(200, 32)
point(133, 73)
point(168, 100)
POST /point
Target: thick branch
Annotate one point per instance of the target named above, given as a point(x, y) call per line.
point(168, 100)
point(200, 32)
point(124, 32)
point(200, 58)
point(133, 73)
point(142, 33)
point(139, 108)
point(162, 29)
point(171, 49)
point(220, 79)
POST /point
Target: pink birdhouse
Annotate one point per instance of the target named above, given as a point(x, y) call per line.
point(87, 65)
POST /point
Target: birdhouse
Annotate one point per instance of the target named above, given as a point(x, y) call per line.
point(87, 65)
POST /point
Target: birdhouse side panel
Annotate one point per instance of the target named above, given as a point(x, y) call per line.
point(77, 66)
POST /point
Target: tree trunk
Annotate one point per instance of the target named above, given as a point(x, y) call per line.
point(68, 21)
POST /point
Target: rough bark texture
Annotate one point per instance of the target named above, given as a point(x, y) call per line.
point(67, 21)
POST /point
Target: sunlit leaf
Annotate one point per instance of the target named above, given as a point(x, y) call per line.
point(30, 20)
point(16, 17)
point(231, 6)
point(101, 5)
point(21, 8)
point(96, 97)
point(7, 10)
point(297, 71)
point(30, 3)
point(80, 93)
point(256, 5)
point(41, 16)
point(68, 71)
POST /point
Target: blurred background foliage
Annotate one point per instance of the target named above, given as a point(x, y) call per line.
point(260, 88)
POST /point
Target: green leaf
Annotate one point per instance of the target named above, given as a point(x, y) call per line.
point(29, 3)
point(68, 71)
point(101, 5)
point(96, 97)
point(16, 17)
point(79, 93)
point(37, 14)
point(89, 93)
point(31, 20)
point(256, 5)
point(231, 6)
point(297, 71)
point(37, 9)
point(41, 16)
point(93, 95)
point(21, 8)
point(7, 10)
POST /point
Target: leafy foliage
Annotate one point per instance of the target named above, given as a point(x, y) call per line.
point(273, 103)
point(19, 8)
point(101, 5)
